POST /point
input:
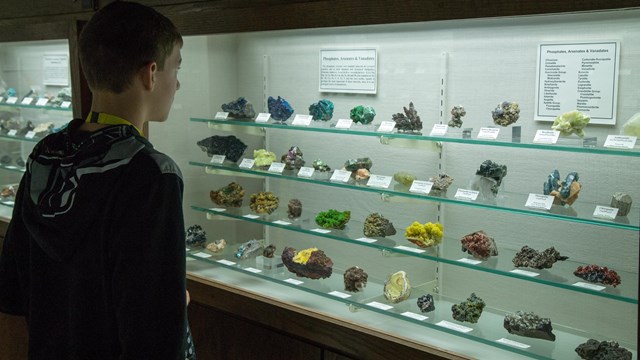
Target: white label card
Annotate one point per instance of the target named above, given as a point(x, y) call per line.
point(605, 212)
point(27, 101)
point(341, 175)
point(387, 126)
point(406, 248)
point(463, 194)
point(12, 132)
point(379, 181)
point(513, 343)
point(42, 102)
point(321, 231)
point(414, 315)
point(302, 120)
point(537, 201)
point(12, 100)
point(524, 272)
point(344, 123)
point(366, 240)
point(452, 326)
point(294, 281)
point(620, 141)
point(226, 262)
point(470, 261)
point(65, 104)
point(276, 167)
point(8, 202)
point(253, 270)
point(340, 294)
point(30, 134)
point(220, 115)
point(488, 133)
point(306, 172)
point(246, 163)
point(217, 159)
point(218, 209)
point(202, 255)
point(589, 286)
point(251, 216)
point(421, 187)
point(281, 222)
point(546, 137)
point(263, 117)
point(378, 305)
point(439, 130)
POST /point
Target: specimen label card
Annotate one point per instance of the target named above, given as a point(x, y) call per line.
point(12, 132)
point(579, 76)
point(263, 117)
point(281, 222)
point(339, 294)
point(65, 104)
point(524, 272)
point(42, 102)
point(341, 175)
point(253, 270)
point(12, 100)
point(251, 216)
point(470, 261)
point(605, 212)
point(546, 137)
point(379, 181)
point(344, 123)
point(387, 126)
point(406, 248)
point(55, 69)
point(276, 167)
point(452, 326)
point(306, 171)
point(513, 343)
point(620, 141)
point(27, 101)
point(321, 231)
point(537, 201)
point(348, 71)
point(414, 315)
point(366, 240)
point(294, 281)
point(217, 159)
point(488, 133)
point(220, 115)
point(202, 255)
point(302, 120)
point(378, 305)
point(589, 286)
point(421, 187)
point(226, 262)
point(463, 194)
point(30, 135)
point(218, 209)
point(247, 163)
point(439, 130)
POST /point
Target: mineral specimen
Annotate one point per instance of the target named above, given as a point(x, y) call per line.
point(217, 245)
point(572, 122)
point(457, 112)
point(598, 274)
point(397, 287)
point(43, 129)
point(9, 191)
point(333, 219)
point(426, 235)
point(622, 202)
point(530, 325)
point(268, 251)
point(506, 113)
point(229, 146)
point(294, 209)
point(279, 109)
point(263, 158)
point(632, 126)
point(565, 192)
point(263, 202)
point(28, 127)
point(376, 225)
point(249, 248)
point(479, 244)
point(441, 182)
point(492, 172)
point(426, 303)
point(321, 166)
point(310, 263)
point(404, 178)
point(362, 114)
point(528, 257)
point(409, 121)
point(469, 310)
point(5, 160)
point(355, 279)
point(361, 174)
point(322, 110)
point(239, 108)
point(195, 236)
point(293, 158)
point(359, 163)
point(603, 350)
point(230, 195)
point(63, 95)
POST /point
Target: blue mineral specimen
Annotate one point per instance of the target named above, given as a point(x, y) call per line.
point(279, 109)
point(249, 248)
point(11, 92)
point(362, 114)
point(322, 110)
point(239, 108)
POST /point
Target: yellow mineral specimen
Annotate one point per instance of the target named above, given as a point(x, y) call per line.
point(303, 255)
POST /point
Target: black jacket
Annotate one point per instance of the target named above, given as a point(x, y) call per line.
point(94, 256)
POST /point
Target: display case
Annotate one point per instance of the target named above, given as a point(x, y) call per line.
point(35, 99)
point(513, 77)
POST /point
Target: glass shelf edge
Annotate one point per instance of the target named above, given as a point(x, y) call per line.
point(20, 106)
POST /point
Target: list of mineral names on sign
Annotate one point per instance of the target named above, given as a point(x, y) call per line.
point(579, 77)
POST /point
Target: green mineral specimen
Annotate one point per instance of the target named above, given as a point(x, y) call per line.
point(572, 122)
point(362, 114)
point(333, 219)
point(230, 195)
point(469, 310)
point(404, 178)
point(263, 158)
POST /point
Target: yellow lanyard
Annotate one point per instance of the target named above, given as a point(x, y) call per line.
point(107, 119)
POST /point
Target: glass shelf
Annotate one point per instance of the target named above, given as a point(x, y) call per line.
point(510, 202)
point(20, 106)
point(7, 202)
point(560, 275)
point(13, 168)
point(570, 144)
point(34, 139)
point(488, 330)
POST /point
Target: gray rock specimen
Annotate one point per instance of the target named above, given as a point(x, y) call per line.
point(229, 146)
point(355, 279)
point(621, 201)
point(377, 225)
point(530, 325)
point(196, 236)
point(239, 108)
point(294, 209)
point(603, 350)
point(441, 182)
point(528, 257)
point(457, 112)
point(409, 121)
point(426, 303)
point(493, 172)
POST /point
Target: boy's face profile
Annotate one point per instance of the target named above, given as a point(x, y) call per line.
point(166, 85)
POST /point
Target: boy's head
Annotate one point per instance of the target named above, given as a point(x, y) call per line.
point(122, 38)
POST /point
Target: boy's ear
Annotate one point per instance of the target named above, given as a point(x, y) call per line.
point(148, 75)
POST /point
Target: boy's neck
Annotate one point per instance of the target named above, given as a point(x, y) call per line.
point(125, 105)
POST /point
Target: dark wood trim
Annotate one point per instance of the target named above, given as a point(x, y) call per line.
point(81, 93)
